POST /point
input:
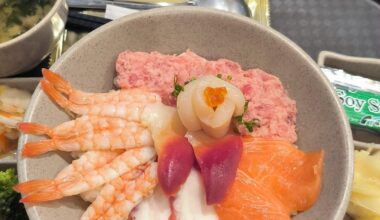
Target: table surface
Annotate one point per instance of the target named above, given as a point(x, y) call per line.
point(350, 27)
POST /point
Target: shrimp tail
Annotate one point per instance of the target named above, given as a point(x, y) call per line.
point(58, 82)
point(54, 94)
point(42, 197)
point(33, 128)
point(38, 191)
point(33, 186)
point(39, 147)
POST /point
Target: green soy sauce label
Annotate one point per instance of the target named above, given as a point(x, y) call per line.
point(362, 108)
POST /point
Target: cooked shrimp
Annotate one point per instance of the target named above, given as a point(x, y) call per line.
point(91, 195)
point(72, 182)
point(77, 127)
point(175, 153)
point(87, 162)
point(129, 135)
point(126, 110)
point(85, 98)
point(121, 195)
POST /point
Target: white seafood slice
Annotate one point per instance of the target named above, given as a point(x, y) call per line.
point(185, 107)
point(189, 204)
point(196, 113)
point(156, 207)
point(215, 122)
point(233, 93)
point(162, 121)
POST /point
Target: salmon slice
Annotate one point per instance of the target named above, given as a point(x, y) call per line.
point(247, 200)
point(284, 169)
point(284, 175)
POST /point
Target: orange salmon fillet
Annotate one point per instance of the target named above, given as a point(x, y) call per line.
point(275, 180)
point(247, 200)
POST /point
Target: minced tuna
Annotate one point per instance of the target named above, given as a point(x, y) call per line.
point(268, 100)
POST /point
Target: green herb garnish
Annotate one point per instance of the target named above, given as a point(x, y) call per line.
point(249, 125)
point(246, 106)
point(177, 88)
point(239, 119)
point(229, 77)
point(219, 75)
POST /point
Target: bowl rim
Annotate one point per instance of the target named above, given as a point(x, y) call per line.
point(41, 23)
point(341, 208)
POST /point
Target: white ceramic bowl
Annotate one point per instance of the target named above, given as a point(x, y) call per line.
point(89, 65)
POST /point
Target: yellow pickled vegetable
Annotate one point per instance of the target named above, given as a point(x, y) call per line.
point(365, 197)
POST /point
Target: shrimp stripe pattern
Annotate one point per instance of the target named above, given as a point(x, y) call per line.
point(91, 195)
point(85, 98)
point(77, 127)
point(128, 111)
point(89, 161)
point(121, 195)
point(74, 183)
point(129, 136)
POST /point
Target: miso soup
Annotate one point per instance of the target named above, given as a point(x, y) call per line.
point(18, 16)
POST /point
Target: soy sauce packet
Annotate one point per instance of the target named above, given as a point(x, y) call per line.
point(360, 98)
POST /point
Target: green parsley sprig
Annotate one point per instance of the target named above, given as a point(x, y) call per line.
point(177, 88)
point(250, 124)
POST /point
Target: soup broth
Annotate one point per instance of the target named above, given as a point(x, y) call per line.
point(18, 16)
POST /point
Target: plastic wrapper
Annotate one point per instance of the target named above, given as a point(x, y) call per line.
point(360, 98)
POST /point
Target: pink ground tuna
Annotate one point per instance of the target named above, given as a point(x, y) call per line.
point(268, 100)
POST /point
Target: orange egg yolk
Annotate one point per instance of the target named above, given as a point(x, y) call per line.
point(214, 96)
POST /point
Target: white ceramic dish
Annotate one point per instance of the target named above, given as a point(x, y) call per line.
point(89, 65)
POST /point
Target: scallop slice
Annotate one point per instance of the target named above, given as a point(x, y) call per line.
point(214, 122)
point(233, 93)
point(196, 114)
point(185, 108)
